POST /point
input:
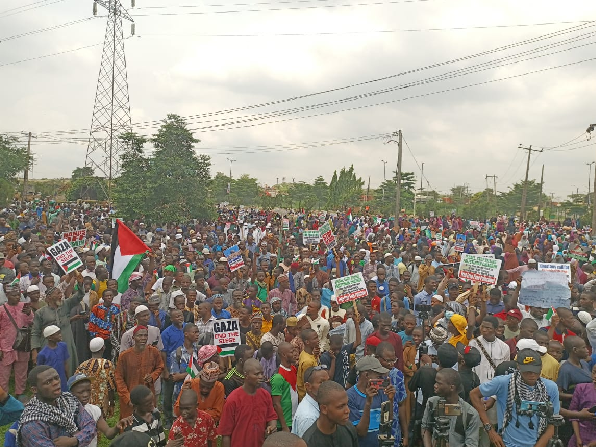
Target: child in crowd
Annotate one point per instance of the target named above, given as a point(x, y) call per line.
point(55, 354)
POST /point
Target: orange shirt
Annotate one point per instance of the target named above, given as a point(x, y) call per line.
point(212, 405)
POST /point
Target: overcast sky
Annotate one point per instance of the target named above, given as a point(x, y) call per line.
point(190, 65)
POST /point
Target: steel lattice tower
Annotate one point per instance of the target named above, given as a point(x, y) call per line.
point(111, 112)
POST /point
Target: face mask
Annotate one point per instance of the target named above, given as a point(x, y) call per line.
point(449, 314)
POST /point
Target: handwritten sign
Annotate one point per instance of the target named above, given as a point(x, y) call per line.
point(234, 257)
point(460, 243)
point(557, 268)
point(327, 234)
point(65, 256)
point(226, 334)
point(311, 237)
point(285, 224)
point(481, 269)
point(544, 289)
point(76, 238)
point(349, 288)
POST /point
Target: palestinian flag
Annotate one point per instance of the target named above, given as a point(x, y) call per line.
point(191, 369)
point(349, 215)
point(127, 252)
point(226, 350)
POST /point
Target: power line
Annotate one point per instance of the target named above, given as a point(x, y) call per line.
point(281, 2)
point(417, 164)
point(27, 9)
point(275, 9)
point(333, 33)
point(43, 30)
point(581, 27)
point(50, 55)
point(570, 142)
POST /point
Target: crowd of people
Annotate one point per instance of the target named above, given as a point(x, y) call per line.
point(424, 359)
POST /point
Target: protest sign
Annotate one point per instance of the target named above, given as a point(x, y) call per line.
point(285, 224)
point(234, 257)
point(76, 238)
point(311, 237)
point(477, 268)
point(327, 234)
point(578, 253)
point(349, 288)
point(226, 334)
point(557, 268)
point(460, 243)
point(475, 224)
point(544, 289)
point(65, 256)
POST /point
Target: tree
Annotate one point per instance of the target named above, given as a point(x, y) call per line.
point(83, 172)
point(13, 159)
point(171, 185)
point(244, 191)
point(344, 190)
point(385, 194)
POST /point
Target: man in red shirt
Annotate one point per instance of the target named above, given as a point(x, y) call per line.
point(385, 334)
point(248, 413)
point(560, 323)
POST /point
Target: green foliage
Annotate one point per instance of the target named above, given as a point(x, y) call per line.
point(13, 159)
point(384, 201)
point(243, 191)
point(170, 185)
point(85, 185)
point(344, 190)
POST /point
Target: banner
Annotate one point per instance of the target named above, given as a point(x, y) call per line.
point(65, 256)
point(285, 225)
point(234, 257)
point(349, 288)
point(311, 237)
point(76, 238)
point(557, 268)
point(544, 289)
point(460, 243)
point(327, 234)
point(477, 268)
point(226, 334)
point(578, 253)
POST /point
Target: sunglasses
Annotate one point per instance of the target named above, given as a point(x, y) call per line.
point(311, 371)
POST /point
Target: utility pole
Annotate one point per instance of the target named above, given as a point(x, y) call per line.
point(231, 160)
point(589, 165)
point(368, 189)
point(525, 191)
point(26, 172)
point(494, 177)
point(540, 196)
point(384, 164)
point(589, 130)
point(398, 134)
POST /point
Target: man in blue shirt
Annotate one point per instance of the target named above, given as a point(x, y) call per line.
point(518, 430)
point(172, 338)
point(425, 296)
point(365, 398)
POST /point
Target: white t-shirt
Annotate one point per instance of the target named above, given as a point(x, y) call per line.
point(95, 413)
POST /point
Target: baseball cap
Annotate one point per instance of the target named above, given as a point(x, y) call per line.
point(72, 381)
point(529, 360)
point(528, 343)
point(532, 261)
point(153, 299)
point(515, 313)
point(370, 363)
point(50, 330)
point(470, 354)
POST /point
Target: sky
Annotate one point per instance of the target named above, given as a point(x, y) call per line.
point(465, 99)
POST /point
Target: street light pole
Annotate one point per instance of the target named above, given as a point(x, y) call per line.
point(589, 130)
point(231, 160)
point(384, 164)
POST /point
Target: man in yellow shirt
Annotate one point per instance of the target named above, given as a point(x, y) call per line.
point(550, 365)
point(308, 357)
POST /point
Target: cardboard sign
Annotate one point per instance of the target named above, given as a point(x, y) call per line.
point(311, 237)
point(226, 334)
point(557, 268)
point(544, 289)
point(349, 288)
point(477, 268)
point(327, 235)
point(460, 243)
point(285, 224)
point(76, 238)
point(65, 256)
point(234, 257)
point(475, 224)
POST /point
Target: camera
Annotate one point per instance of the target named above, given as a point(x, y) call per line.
point(423, 307)
point(445, 409)
point(378, 383)
point(529, 407)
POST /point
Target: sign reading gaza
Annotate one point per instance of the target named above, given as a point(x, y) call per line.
point(349, 288)
point(477, 268)
point(226, 334)
point(65, 256)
